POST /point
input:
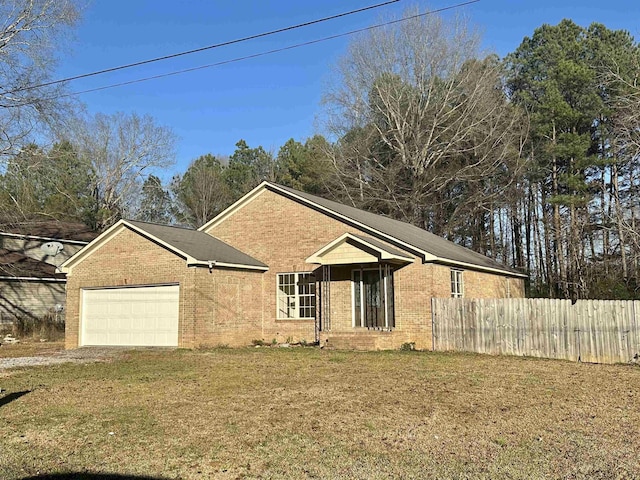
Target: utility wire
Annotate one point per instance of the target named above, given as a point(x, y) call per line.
point(268, 52)
point(202, 49)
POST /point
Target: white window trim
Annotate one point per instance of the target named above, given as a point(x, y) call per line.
point(459, 281)
point(296, 296)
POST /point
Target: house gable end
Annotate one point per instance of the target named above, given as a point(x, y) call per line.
point(233, 208)
point(352, 249)
point(105, 237)
point(344, 254)
point(464, 258)
point(266, 186)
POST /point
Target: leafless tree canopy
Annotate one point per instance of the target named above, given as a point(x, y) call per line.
point(122, 150)
point(424, 130)
point(32, 34)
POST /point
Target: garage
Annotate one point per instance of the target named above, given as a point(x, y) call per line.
point(131, 316)
point(142, 284)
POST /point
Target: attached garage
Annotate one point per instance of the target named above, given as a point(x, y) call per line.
point(142, 284)
point(134, 316)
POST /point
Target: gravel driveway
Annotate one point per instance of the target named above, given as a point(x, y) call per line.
point(79, 355)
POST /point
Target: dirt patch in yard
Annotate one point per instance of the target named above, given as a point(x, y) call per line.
point(307, 413)
point(31, 354)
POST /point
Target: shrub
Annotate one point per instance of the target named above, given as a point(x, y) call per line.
point(408, 346)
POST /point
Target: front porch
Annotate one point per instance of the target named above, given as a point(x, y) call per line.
point(355, 293)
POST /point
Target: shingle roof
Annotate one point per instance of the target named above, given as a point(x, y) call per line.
point(380, 245)
point(404, 232)
point(18, 265)
point(58, 230)
point(198, 245)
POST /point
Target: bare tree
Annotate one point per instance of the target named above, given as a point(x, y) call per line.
point(625, 169)
point(32, 33)
point(424, 130)
point(122, 149)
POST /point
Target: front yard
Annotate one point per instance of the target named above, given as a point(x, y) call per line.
point(310, 413)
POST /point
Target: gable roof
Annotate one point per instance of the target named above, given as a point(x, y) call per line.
point(406, 236)
point(360, 242)
point(196, 247)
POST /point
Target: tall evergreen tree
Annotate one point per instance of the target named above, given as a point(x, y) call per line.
point(202, 192)
point(247, 168)
point(556, 76)
point(155, 205)
point(305, 166)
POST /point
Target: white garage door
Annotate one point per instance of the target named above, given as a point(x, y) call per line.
point(135, 316)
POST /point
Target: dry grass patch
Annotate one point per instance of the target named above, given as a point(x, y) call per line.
point(30, 349)
point(307, 413)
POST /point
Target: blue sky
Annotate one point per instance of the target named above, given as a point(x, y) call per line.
point(267, 100)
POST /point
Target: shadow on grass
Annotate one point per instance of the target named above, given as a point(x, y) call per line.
point(89, 476)
point(11, 397)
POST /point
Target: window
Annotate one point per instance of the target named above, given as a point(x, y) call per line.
point(457, 287)
point(373, 298)
point(296, 295)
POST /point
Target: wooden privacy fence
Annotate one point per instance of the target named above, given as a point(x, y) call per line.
point(599, 331)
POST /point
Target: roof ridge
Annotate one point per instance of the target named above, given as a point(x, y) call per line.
point(161, 224)
point(442, 249)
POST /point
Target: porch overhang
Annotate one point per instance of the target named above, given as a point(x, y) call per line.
point(349, 249)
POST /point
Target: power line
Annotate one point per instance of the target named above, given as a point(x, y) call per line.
point(202, 49)
point(268, 52)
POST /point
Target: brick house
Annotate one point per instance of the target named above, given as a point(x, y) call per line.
point(277, 264)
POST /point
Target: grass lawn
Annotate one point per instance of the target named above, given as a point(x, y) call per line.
point(310, 413)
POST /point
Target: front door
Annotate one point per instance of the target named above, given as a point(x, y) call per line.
point(372, 296)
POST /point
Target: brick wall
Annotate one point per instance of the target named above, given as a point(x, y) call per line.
point(476, 284)
point(129, 259)
point(221, 307)
point(228, 307)
point(282, 234)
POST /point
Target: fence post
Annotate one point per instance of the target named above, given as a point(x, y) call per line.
point(635, 333)
point(433, 324)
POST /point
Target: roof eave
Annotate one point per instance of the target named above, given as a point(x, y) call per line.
point(67, 266)
point(473, 266)
point(382, 254)
point(192, 262)
point(34, 279)
point(37, 237)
